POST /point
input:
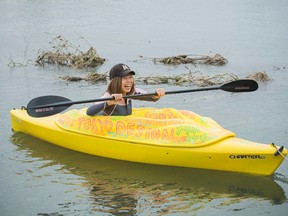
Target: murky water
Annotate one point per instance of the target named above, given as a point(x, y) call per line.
point(41, 179)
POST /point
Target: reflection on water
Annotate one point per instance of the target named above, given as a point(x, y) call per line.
point(126, 188)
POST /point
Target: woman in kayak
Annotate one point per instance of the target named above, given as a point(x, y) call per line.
point(121, 83)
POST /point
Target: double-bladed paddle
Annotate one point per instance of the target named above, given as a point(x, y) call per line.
point(50, 105)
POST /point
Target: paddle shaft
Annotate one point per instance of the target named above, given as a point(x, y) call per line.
point(50, 105)
point(69, 103)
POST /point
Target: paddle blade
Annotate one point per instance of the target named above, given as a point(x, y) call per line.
point(240, 86)
point(46, 106)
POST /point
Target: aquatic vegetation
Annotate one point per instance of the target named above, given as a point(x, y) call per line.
point(93, 77)
point(191, 78)
point(216, 59)
point(259, 76)
point(63, 53)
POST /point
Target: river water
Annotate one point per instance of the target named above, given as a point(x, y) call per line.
point(38, 178)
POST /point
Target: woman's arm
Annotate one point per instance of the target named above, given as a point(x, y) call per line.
point(95, 108)
point(99, 106)
point(106, 105)
point(154, 98)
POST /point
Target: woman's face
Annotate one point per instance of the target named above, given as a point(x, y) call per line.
point(127, 83)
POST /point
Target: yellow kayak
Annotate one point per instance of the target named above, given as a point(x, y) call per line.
point(155, 136)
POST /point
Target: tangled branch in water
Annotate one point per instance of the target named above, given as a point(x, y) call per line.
point(259, 76)
point(189, 79)
point(199, 79)
point(90, 77)
point(64, 53)
point(216, 59)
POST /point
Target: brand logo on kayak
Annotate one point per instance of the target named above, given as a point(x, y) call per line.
point(247, 157)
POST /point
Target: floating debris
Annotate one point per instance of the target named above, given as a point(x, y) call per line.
point(196, 79)
point(64, 53)
point(188, 79)
point(205, 80)
point(91, 77)
point(279, 68)
point(96, 77)
point(175, 60)
point(72, 79)
point(259, 76)
point(216, 59)
point(14, 64)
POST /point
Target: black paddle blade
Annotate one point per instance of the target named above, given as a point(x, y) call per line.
point(47, 106)
point(240, 86)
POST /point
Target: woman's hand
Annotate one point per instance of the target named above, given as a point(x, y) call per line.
point(117, 99)
point(160, 92)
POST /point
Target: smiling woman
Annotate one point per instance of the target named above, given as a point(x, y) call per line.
point(121, 84)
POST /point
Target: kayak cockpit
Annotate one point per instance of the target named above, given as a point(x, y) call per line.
point(163, 127)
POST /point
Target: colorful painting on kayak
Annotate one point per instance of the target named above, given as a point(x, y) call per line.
point(152, 126)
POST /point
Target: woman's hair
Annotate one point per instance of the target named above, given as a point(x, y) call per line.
point(114, 87)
